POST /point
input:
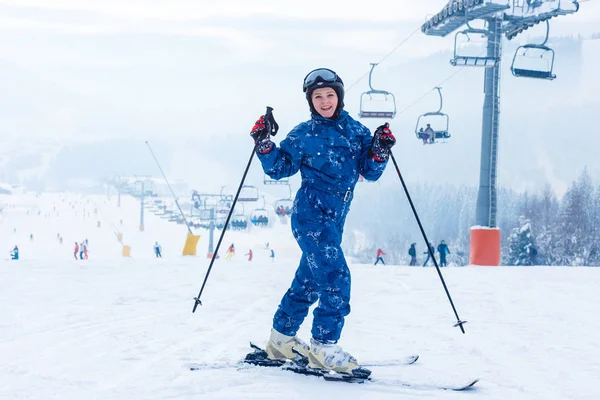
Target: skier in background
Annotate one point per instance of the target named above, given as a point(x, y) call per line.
point(412, 252)
point(230, 252)
point(14, 254)
point(379, 257)
point(85, 249)
point(157, 250)
point(249, 254)
point(272, 256)
point(81, 251)
point(76, 250)
point(428, 254)
point(443, 250)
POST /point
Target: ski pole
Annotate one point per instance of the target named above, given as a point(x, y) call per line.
point(268, 118)
point(459, 323)
point(170, 188)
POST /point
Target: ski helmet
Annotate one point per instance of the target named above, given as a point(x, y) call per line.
point(322, 78)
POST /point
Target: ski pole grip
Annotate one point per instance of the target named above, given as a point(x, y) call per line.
point(270, 122)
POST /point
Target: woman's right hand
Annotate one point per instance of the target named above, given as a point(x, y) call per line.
point(262, 130)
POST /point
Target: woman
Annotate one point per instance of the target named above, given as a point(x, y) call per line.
point(330, 150)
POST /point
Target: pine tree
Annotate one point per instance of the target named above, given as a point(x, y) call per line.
point(593, 258)
point(547, 224)
point(573, 243)
point(522, 249)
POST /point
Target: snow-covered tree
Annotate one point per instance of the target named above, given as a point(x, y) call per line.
point(521, 244)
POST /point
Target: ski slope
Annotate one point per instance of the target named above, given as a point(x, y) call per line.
point(122, 328)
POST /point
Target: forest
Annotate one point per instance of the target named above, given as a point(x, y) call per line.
point(536, 228)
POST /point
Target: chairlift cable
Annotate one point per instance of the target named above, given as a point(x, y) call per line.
point(390, 53)
point(432, 89)
point(385, 57)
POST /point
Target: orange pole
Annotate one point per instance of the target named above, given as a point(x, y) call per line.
point(485, 246)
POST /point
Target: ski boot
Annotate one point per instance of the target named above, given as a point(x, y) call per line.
point(283, 347)
point(331, 357)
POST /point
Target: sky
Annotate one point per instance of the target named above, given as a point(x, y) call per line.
point(159, 55)
point(81, 71)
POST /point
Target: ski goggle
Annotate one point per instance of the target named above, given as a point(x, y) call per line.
point(319, 75)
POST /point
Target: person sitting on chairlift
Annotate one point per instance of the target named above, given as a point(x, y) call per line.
point(430, 133)
point(422, 135)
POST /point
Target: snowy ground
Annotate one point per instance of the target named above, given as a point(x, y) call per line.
point(122, 328)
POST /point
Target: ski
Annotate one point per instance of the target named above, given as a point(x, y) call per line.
point(357, 378)
point(408, 360)
point(258, 357)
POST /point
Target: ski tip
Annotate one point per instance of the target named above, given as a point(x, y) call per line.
point(466, 387)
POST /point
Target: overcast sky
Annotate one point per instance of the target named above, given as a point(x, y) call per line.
point(170, 71)
point(149, 64)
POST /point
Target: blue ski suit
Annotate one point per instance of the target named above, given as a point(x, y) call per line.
point(330, 155)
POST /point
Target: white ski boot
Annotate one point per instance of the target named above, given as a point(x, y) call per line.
point(330, 357)
point(281, 347)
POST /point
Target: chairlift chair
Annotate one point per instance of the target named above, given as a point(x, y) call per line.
point(258, 214)
point(261, 213)
point(287, 203)
point(464, 60)
point(441, 128)
point(267, 180)
point(373, 95)
point(239, 216)
point(248, 193)
point(543, 57)
point(223, 207)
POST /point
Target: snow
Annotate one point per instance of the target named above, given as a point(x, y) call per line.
point(122, 328)
point(485, 228)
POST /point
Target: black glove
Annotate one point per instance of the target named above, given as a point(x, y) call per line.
point(383, 141)
point(262, 130)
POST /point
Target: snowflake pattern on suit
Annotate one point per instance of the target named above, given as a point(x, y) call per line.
point(330, 155)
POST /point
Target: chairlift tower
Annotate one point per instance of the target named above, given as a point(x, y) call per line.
point(143, 179)
point(199, 200)
point(501, 17)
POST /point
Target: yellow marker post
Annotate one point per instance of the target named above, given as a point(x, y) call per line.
point(189, 249)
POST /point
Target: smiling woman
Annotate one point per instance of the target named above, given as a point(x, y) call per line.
point(331, 151)
point(325, 102)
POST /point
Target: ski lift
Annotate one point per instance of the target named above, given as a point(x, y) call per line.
point(260, 216)
point(267, 180)
point(239, 221)
point(284, 207)
point(534, 60)
point(436, 120)
point(248, 193)
point(387, 110)
point(461, 59)
point(223, 207)
point(205, 215)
